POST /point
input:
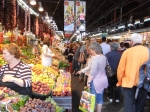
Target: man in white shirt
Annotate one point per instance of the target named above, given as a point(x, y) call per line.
point(105, 46)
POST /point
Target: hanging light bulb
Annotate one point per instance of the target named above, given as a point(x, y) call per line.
point(48, 21)
point(40, 7)
point(46, 17)
point(33, 2)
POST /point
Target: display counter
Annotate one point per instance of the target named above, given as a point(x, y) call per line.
point(65, 102)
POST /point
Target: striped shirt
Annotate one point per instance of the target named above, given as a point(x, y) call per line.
point(21, 70)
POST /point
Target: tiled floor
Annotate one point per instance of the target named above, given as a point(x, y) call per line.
point(77, 88)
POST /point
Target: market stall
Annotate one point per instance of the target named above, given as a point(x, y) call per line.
point(54, 81)
point(51, 86)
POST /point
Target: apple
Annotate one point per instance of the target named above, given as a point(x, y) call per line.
point(6, 91)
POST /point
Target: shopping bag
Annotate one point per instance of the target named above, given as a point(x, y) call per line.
point(87, 102)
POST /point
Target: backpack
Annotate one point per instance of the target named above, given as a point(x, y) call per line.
point(144, 80)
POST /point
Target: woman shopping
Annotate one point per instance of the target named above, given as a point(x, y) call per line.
point(15, 75)
point(47, 54)
point(87, 68)
point(97, 79)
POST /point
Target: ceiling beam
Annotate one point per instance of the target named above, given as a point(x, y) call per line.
point(115, 6)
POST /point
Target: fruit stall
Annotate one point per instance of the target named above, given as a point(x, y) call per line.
point(47, 82)
point(51, 86)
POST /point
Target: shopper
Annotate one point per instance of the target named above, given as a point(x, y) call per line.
point(83, 50)
point(109, 41)
point(47, 54)
point(93, 39)
point(70, 56)
point(86, 70)
point(76, 65)
point(15, 75)
point(128, 74)
point(126, 46)
point(97, 79)
point(121, 46)
point(113, 58)
point(105, 46)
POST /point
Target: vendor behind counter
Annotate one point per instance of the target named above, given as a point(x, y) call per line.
point(15, 75)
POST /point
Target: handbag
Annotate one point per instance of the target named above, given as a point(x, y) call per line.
point(108, 69)
point(82, 58)
point(87, 102)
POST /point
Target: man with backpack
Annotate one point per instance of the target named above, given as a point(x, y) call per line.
point(128, 74)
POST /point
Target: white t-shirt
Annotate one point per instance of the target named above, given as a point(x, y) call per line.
point(105, 48)
point(46, 61)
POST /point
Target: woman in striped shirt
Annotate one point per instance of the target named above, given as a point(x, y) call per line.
point(15, 75)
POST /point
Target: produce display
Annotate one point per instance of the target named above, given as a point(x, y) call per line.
point(13, 98)
point(17, 24)
point(46, 81)
point(2, 61)
point(63, 85)
point(12, 101)
point(41, 88)
point(63, 65)
point(36, 105)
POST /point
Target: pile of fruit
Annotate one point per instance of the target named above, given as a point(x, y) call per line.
point(36, 105)
point(7, 92)
point(39, 69)
point(63, 85)
point(41, 88)
point(2, 61)
point(22, 103)
point(55, 62)
point(43, 79)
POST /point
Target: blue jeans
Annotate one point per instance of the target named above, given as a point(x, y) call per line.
point(98, 96)
point(130, 103)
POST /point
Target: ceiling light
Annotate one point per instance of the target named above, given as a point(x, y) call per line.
point(40, 7)
point(46, 17)
point(48, 21)
point(24, 5)
point(33, 2)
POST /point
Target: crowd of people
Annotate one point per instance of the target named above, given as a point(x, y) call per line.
point(125, 60)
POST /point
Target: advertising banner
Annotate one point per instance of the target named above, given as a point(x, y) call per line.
point(68, 15)
point(80, 16)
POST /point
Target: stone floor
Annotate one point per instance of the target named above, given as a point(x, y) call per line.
point(77, 88)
